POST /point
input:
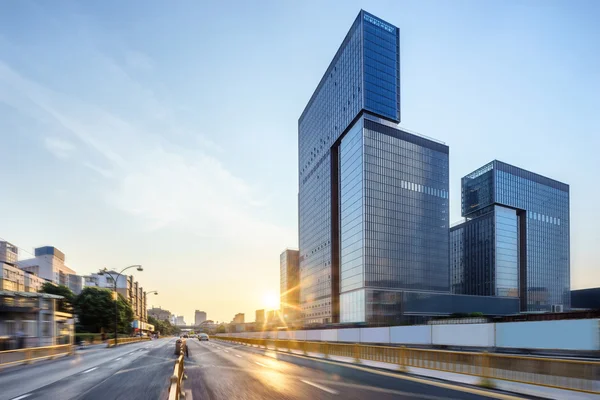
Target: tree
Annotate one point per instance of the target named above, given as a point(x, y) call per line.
point(95, 309)
point(65, 305)
point(163, 327)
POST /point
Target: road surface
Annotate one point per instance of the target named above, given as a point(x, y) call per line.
point(216, 370)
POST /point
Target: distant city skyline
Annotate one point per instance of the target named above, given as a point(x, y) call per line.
point(139, 138)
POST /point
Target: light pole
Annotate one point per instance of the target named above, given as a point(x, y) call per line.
point(105, 271)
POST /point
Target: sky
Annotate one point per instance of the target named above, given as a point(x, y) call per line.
point(165, 133)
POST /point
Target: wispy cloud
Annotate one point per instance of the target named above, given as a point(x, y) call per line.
point(148, 176)
point(59, 147)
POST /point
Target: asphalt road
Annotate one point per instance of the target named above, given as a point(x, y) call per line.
point(220, 370)
point(215, 370)
point(133, 371)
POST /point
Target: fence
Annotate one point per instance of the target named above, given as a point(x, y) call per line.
point(578, 375)
point(120, 341)
point(21, 356)
point(176, 388)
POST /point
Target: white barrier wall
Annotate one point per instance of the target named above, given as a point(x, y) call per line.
point(375, 335)
point(475, 335)
point(581, 334)
point(351, 335)
point(417, 334)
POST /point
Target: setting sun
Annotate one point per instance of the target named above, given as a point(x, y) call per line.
point(270, 301)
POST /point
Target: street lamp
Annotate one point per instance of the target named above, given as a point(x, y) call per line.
point(105, 271)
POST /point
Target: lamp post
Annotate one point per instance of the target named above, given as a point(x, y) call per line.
point(105, 271)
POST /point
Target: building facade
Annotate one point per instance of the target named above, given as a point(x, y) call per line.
point(373, 198)
point(179, 320)
point(515, 240)
point(199, 317)
point(126, 287)
point(49, 264)
point(586, 299)
point(159, 314)
point(289, 289)
point(238, 319)
point(9, 253)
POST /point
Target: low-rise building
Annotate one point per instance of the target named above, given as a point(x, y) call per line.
point(49, 264)
point(33, 320)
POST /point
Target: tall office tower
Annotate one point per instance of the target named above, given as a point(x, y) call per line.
point(289, 286)
point(515, 241)
point(373, 199)
point(199, 317)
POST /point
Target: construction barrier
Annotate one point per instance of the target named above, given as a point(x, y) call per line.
point(120, 341)
point(577, 375)
point(25, 356)
point(176, 388)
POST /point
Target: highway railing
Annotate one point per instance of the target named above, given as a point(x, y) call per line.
point(120, 341)
point(24, 356)
point(568, 374)
point(176, 388)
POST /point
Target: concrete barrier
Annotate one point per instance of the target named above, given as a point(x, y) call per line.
point(582, 334)
point(418, 334)
point(476, 335)
point(375, 335)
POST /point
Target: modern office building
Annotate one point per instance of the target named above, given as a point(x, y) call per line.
point(179, 320)
point(586, 299)
point(373, 198)
point(49, 264)
point(289, 289)
point(199, 317)
point(515, 239)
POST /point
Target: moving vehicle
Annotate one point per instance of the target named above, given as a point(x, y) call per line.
point(203, 336)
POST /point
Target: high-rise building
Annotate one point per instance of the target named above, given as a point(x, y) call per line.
point(238, 319)
point(179, 320)
point(199, 317)
point(515, 240)
point(289, 289)
point(373, 198)
point(259, 319)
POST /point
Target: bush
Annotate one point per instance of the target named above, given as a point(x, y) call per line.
point(88, 337)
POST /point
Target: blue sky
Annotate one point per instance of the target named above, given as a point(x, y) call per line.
point(165, 133)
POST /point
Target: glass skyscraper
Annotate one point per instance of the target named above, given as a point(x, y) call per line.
point(373, 199)
point(515, 241)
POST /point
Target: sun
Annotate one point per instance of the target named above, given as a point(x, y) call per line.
point(270, 301)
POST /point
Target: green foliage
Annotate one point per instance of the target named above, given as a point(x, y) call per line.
point(163, 327)
point(65, 305)
point(221, 329)
point(95, 309)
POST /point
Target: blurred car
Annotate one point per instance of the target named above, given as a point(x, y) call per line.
point(203, 336)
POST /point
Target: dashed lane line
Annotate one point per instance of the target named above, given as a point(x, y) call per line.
point(323, 388)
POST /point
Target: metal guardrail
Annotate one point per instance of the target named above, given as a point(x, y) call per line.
point(176, 388)
point(27, 355)
point(120, 341)
point(577, 375)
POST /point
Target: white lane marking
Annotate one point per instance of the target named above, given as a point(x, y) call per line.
point(237, 355)
point(323, 388)
point(218, 348)
point(118, 358)
point(261, 364)
point(89, 370)
point(22, 396)
point(225, 351)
